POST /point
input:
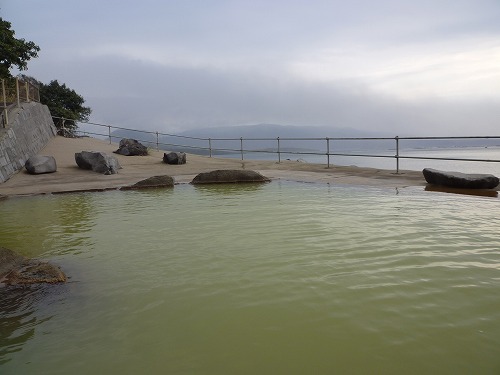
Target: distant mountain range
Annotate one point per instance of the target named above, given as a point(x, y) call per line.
point(274, 131)
point(264, 137)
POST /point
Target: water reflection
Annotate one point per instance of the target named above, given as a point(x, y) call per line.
point(18, 321)
point(264, 279)
point(19, 316)
point(477, 192)
point(72, 221)
point(50, 219)
point(229, 189)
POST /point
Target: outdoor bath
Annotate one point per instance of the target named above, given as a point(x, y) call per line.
point(283, 277)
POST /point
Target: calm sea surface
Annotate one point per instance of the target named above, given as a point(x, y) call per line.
point(281, 278)
point(410, 159)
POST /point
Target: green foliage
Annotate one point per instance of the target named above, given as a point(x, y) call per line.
point(14, 52)
point(61, 100)
point(64, 102)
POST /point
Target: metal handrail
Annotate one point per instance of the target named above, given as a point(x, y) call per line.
point(279, 151)
point(13, 92)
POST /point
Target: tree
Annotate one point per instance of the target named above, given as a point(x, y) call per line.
point(65, 103)
point(14, 52)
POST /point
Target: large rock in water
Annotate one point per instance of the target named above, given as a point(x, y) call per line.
point(229, 176)
point(131, 147)
point(460, 180)
point(174, 158)
point(16, 269)
point(152, 182)
point(39, 164)
point(97, 161)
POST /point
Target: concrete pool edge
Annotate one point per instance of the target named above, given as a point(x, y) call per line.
point(70, 178)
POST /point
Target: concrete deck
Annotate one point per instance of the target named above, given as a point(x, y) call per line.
point(69, 177)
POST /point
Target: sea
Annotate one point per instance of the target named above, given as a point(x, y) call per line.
point(414, 159)
point(275, 278)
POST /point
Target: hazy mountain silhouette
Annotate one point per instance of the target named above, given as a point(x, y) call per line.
point(274, 131)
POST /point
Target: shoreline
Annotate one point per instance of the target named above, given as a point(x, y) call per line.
point(70, 178)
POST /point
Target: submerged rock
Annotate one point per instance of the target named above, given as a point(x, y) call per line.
point(17, 269)
point(174, 158)
point(99, 162)
point(152, 182)
point(131, 147)
point(460, 180)
point(39, 164)
point(229, 176)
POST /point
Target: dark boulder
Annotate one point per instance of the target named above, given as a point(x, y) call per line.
point(229, 176)
point(174, 158)
point(152, 182)
point(16, 269)
point(131, 147)
point(460, 180)
point(97, 161)
point(39, 164)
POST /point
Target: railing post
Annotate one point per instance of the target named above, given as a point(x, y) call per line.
point(17, 93)
point(157, 142)
point(241, 147)
point(328, 152)
point(27, 92)
point(63, 128)
point(210, 146)
point(397, 154)
point(4, 93)
point(109, 133)
point(279, 151)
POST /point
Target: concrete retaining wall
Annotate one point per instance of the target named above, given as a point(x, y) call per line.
point(29, 130)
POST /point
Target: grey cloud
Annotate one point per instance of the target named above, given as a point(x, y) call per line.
point(253, 41)
point(166, 99)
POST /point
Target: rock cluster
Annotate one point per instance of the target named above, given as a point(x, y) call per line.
point(460, 180)
point(174, 158)
point(131, 147)
point(39, 164)
point(99, 162)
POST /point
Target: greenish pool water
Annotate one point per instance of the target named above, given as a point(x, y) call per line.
point(281, 278)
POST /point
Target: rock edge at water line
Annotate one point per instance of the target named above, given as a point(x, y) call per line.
point(229, 176)
point(16, 269)
point(460, 180)
point(152, 182)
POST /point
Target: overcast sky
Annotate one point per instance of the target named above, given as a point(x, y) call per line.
point(407, 67)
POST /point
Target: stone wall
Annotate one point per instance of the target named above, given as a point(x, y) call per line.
point(29, 130)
